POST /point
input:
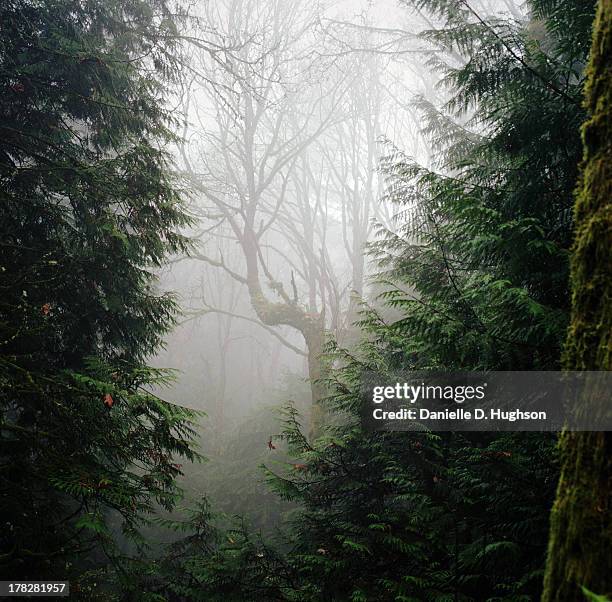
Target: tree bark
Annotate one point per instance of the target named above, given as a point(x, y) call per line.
point(580, 544)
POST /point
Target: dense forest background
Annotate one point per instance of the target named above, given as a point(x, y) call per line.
point(217, 216)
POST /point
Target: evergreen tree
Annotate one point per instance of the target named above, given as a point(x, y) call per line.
point(484, 238)
point(579, 558)
point(88, 211)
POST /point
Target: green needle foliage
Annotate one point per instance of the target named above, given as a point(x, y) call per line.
point(483, 236)
point(87, 211)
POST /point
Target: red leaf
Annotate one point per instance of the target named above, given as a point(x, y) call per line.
point(45, 309)
point(108, 400)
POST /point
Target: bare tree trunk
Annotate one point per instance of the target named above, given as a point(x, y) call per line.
point(580, 545)
point(314, 343)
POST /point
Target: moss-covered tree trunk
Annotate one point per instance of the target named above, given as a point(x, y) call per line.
point(580, 546)
point(289, 313)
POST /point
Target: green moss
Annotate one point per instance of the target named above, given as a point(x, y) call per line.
point(589, 344)
point(580, 546)
point(581, 535)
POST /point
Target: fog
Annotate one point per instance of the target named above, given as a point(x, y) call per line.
point(287, 110)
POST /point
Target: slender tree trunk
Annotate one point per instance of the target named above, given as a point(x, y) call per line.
point(580, 545)
point(314, 342)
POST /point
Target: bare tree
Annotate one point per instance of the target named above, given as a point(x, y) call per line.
point(282, 154)
point(242, 157)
